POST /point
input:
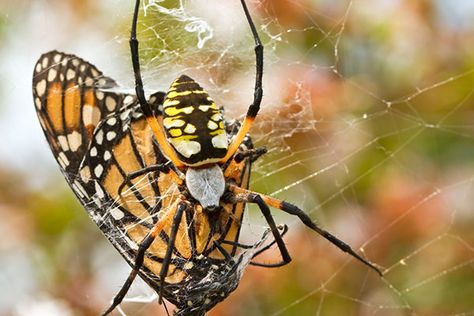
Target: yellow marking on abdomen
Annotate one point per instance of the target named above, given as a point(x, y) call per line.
point(169, 102)
point(175, 132)
point(205, 108)
point(174, 94)
point(190, 128)
point(184, 138)
point(212, 125)
point(170, 122)
point(216, 117)
point(172, 111)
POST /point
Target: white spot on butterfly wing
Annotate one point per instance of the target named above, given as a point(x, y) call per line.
point(93, 151)
point(75, 140)
point(88, 81)
point(99, 137)
point(111, 135)
point(45, 62)
point(111, 121)
point(57, 58)
point(70, 74)
point(98, 171)
point(52, 74)
point(85, 174)
point(90, 115)
point(128, 100)
point(62, 140)
point(41, 87)
point(110, 103)
point(62, 159)
point(94, 72)
point(98, 189)
point(116, 213)
point(79, 189)
point(38, 103)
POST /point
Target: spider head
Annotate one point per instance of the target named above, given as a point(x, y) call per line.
point(193, 124)
point(206, 185)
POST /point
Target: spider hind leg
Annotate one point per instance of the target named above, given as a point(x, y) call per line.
point(243, 195)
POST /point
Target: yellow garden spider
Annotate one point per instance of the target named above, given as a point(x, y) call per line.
point(165, 178)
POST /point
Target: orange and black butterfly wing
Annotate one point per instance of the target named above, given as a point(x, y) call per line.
point(99, 137)
point(71, 98)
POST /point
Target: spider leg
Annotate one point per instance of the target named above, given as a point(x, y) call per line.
point(224, 252)
point(146, 108)
point(282, 263)
point(258, 91)
point(152, 168)
point(257, 199)
point(254, 154)
point(266, 265)
point(244, 194)
point(142, 248)
point(169, 250)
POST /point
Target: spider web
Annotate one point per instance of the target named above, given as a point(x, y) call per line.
point(367, 117)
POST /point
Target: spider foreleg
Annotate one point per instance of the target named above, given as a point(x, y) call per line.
point(153, 116)
point(258, 90)
point(294, 210)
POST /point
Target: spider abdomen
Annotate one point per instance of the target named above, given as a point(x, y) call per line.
point(193, 123)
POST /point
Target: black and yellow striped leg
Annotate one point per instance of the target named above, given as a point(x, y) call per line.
point(153, 121)
point(244, 195)
point(169, 250)
point(258, 90)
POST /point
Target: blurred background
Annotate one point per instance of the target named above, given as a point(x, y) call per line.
point(368, 115)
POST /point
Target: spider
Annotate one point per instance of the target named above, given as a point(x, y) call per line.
point(195, 141)
point(165, 178)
